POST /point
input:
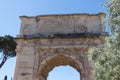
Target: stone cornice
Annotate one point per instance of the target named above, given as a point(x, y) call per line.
point(53, 15)
point(71, 35)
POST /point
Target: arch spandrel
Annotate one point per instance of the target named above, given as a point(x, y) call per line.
point(58, 60)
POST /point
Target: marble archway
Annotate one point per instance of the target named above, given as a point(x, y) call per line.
point(47, 41)
point(57, 60)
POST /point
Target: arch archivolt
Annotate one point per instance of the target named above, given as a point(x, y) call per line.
point(52, 57)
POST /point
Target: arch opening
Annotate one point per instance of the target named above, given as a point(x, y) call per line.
point(63, 73)
point(55, 61)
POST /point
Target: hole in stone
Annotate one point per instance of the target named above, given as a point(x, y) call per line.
point(64, 73)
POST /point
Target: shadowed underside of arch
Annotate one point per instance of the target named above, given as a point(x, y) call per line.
point(57, 60)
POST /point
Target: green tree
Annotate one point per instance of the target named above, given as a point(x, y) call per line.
point(7, 48)
point(106, 59)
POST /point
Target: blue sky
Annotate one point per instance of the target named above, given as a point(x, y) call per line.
point(10, 10)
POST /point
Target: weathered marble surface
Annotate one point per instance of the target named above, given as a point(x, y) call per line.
point(71, 23)
point(37, 56)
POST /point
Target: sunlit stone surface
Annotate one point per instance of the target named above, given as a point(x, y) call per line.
point(48, 41)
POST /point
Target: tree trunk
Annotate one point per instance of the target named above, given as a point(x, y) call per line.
point(5, 78)
point(3, 61)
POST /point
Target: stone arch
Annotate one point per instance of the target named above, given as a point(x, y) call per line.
point(57, 60)
point(43, 46)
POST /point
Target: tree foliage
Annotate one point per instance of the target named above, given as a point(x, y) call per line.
point(7, 48)
point(106, 59)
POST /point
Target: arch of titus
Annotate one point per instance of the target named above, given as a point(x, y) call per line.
point(47, 41)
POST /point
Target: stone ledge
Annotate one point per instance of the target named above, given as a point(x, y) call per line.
point(69, 35)
point(50, 15)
